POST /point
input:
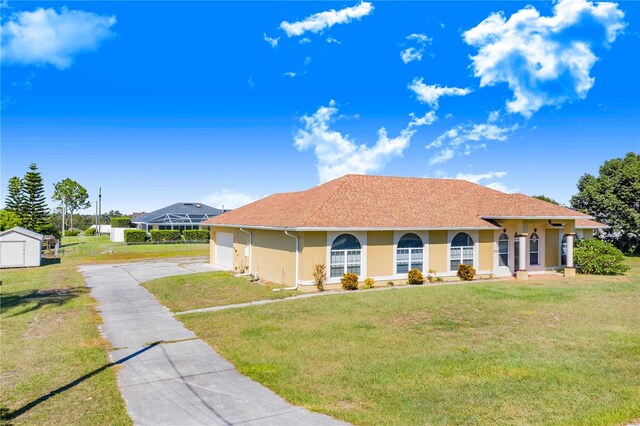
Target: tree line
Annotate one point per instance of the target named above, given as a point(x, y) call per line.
point(26, 205)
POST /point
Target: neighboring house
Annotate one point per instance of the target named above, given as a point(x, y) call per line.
point(178, 216)
point(381, 227)
point(20, 248)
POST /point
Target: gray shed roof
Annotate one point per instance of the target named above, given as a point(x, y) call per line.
point(23, 231)
point(179, 213)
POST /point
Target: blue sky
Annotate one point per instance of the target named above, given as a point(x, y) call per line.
point(160, 102)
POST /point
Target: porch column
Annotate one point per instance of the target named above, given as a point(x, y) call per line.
point(522, 273)
point(569, 271)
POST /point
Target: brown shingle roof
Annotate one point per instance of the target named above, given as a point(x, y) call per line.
point(382, 202)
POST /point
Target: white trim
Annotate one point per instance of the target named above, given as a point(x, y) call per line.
point(350, 230)
point(362, 238)
point(424, 236)
point(538, 217)
point(476, 248)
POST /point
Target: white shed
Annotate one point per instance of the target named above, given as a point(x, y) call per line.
point(19, 248)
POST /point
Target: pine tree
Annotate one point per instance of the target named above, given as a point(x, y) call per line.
point(35, 205)
point(15, 198)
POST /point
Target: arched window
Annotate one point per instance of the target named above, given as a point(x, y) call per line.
point(345, 255)
point(409, 253)
point(533, 249)
point(461, 251)
point(503, 250)
point(563, 250)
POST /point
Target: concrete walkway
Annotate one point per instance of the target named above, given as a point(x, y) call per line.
point(174, 378)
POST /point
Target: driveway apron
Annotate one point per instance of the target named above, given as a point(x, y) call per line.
point(168, 376)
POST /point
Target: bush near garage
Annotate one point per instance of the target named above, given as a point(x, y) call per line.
point(90, 231)
point(195, 235)
point(71, 232)
point(164, 235)
point(135, 236)
point(598, 257)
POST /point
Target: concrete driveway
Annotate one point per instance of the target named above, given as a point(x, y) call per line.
point(167, 375)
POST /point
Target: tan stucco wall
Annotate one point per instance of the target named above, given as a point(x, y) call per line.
point(240, 241)
point(313, 250)
point(274, 256)
point(379, 253)
point(486, 243)
point(587, 233)
point(438, 251)
point(552, 248)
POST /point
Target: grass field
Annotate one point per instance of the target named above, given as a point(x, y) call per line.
point(183, 292)
point(544, 351)
point(53, 361)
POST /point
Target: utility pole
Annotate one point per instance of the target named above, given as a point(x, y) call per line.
point(100, 206)
point(97, 229)
point(64, 218)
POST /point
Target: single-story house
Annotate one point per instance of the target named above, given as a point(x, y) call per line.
point(381, 227)
point(20, 248)
point(178, 216)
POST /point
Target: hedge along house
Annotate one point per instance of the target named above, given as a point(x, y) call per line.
point(381, 227)
point(179, 216)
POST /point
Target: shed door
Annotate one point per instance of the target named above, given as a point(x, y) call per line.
point(224, 249)
point(12, 253)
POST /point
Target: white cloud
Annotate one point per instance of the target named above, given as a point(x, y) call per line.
point(475, 178)
point(333, 40)
point(229, 198)
point(323, 20)
point(499, 186)
point(465, 139)
point(304, 40)
point(273, 41)
point(415, 53)
point(45, 36)
point(250, 82)
point(494, 116)
point(337, 154)
point(307, 61)
point(442, 157)
point(545, 60)
point(290, 74)
point(430, 94)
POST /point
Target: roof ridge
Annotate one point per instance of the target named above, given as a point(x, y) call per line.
point(312, 212)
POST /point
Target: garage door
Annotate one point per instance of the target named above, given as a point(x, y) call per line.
point(224, 249)
point(12, 253)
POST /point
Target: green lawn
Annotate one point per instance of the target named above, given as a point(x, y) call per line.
point(184, 292)
point(50, 341)
point(544, 351)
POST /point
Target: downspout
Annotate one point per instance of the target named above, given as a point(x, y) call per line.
point(295, 287)
point(250, 253)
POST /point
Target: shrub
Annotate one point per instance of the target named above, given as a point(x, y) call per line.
point(369, 283)
point(320, 275)
point(90, 231)
point(164, 235)
point(431, 276)
point(195, 234)
point(466, 272)
point(121, 222)
point(135, 236)
point(349, 282)
point(390, 283)
point(415, 277)
point(71, 232)
point(48, 229)
point(597, 257)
